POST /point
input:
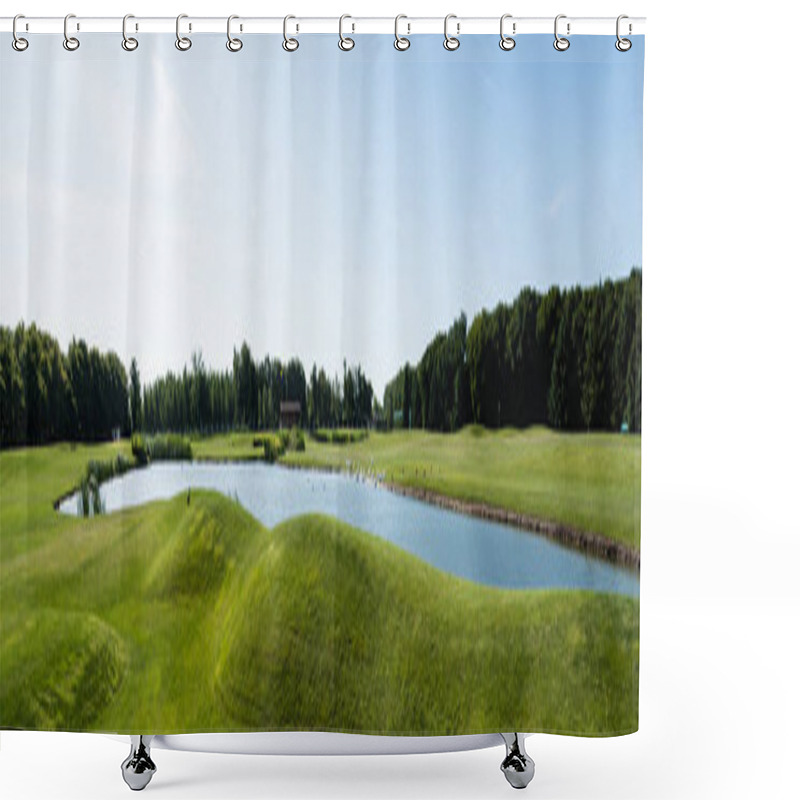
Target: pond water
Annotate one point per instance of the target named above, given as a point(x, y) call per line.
point(480, 550)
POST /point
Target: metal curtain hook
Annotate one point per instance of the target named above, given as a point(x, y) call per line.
point(623, 45)
point(128, 42)
point(450, 42)
point(70, 42)
point(18, 43)
point(290, 45)
point(345, 42)
point(181, 42)
point(234, 45)
point(561, 43)
point(506, 42)
point(400, 42)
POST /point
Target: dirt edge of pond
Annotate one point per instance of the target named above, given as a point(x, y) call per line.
point(592, 543)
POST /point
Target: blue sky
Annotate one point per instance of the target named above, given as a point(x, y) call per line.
point(319, 204)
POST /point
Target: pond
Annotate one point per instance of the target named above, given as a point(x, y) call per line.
point(480, 550)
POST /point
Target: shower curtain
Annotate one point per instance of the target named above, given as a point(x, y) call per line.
point(320, 383)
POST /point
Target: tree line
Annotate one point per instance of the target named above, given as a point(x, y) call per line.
point(568, 358)
point(249, 396)
point(46, 395)
point(86, 395)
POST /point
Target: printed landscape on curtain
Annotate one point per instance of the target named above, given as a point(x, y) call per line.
point(320, 386)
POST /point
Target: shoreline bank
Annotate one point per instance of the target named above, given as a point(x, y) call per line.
point(594, 544)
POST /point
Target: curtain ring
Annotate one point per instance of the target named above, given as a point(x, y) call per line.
point(506, 42)
point(289, 45)
point(450, 42)
point(400, 42)
point(181, 42)
point(561, 43)
point(622, 44)
point(234, 45)
point(18, 43)
point(128, 42)
point(70, 42)
point(345, 42)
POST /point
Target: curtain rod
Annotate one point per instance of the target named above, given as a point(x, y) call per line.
point(407, 25)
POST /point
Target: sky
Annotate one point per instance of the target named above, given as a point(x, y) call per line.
point(318, 204)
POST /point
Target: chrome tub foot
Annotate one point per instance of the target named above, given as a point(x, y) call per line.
point(138, 768)
point(517, 766)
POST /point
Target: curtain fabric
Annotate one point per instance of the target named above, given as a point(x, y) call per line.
point(320, 381)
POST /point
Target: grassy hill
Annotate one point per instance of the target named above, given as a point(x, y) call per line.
point(180, 617)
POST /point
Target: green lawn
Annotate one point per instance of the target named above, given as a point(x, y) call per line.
point(590, 481)
point(178, 617)
point(226, 447)
point(31, 479)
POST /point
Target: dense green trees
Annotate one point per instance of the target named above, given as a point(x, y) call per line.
point(99, 385)
point(324, 400)
point(357, 397)
point(569, 358)
point(249, 396)
point(196, 399)
point(135, 398)
point(46, 396)
point(402, 401)
point(13, 426)
point(442, 380)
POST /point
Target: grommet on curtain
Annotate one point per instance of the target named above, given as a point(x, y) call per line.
point(400, 42)
point(622, 44)
point(345, 42)
point(561, 43)
point(70, 42)
point(507, 42)
point(289, 45)
point(181, 42)
point(128, 42)
point(18, 43)
point(450, 42)
point(234, 45)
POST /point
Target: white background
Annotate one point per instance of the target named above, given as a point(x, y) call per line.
point(720, 604)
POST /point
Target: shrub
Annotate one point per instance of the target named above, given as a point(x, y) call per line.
point(348, 435)
point(139, 449)
point(273, 448)
point(168, 447)
point(297, 441)
point(97, 472)
point(339, 435)
point(101, 471)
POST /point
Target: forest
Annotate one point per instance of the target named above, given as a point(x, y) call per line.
point(47, 396)
point(568, 358)
point(249, 397)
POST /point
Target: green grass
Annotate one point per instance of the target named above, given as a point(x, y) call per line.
point(228, 447)
point(60, 669)
point(390, 643)
point(590, 481)
point(31, 479)
point(175, 618)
